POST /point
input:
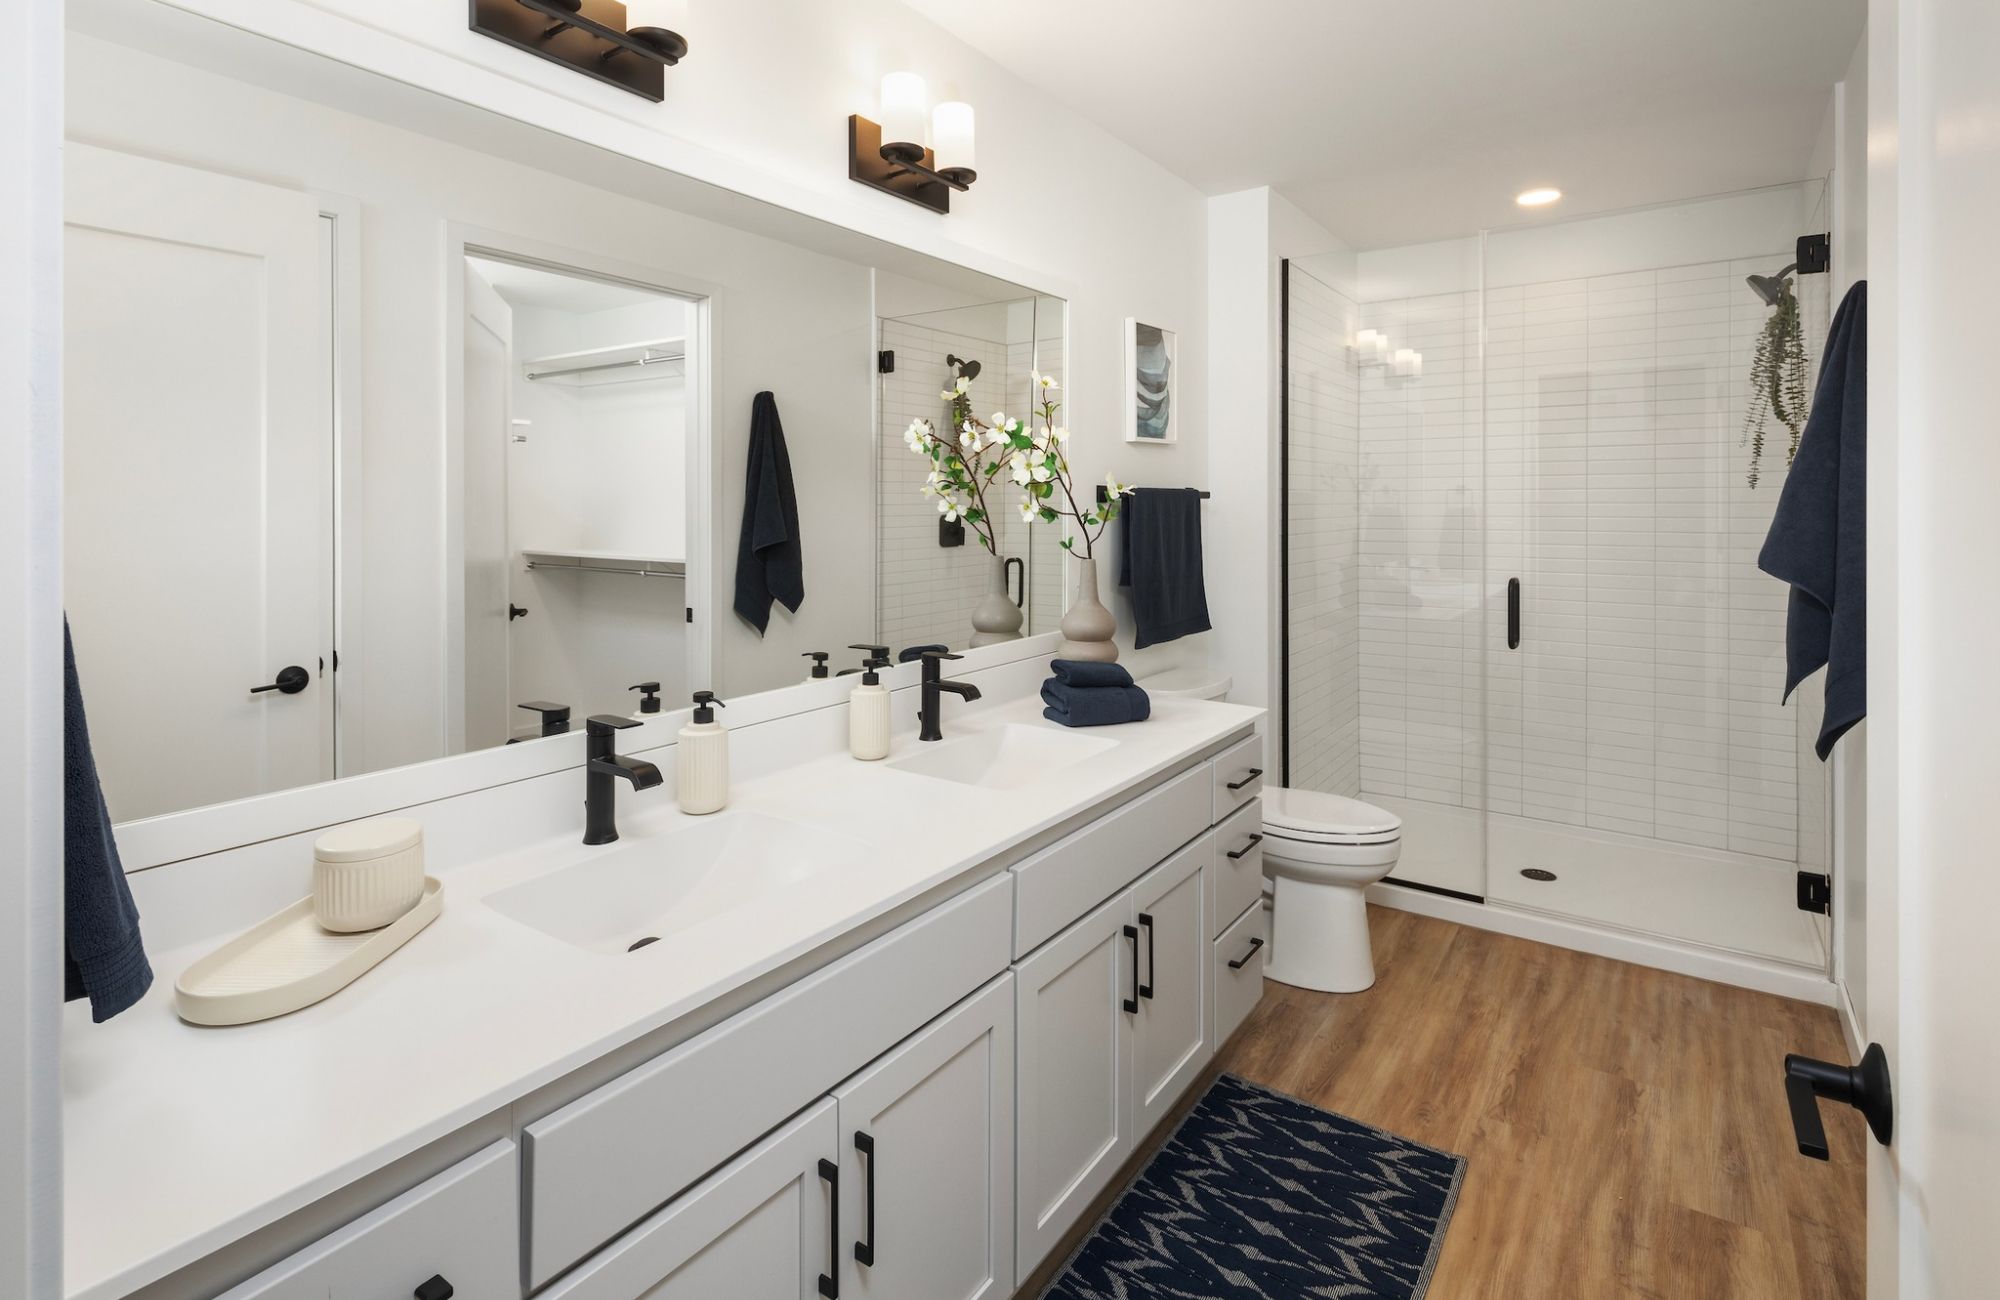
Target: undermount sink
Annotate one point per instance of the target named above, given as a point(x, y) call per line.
point(654, 888)
point(1004, 758)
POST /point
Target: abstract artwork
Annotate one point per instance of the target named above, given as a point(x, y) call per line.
point(1151, 411)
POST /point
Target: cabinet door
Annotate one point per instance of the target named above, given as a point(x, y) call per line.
point(1071, 1090)
point(1170, 1039)
point(927, 1160)
point(759, 1228)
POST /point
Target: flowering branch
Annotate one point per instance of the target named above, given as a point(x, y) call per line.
point(1041, 468)
point(963, 466)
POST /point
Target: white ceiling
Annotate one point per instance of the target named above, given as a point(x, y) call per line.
point(1408, 120)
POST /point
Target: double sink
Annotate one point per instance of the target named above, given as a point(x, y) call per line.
point(640, 893)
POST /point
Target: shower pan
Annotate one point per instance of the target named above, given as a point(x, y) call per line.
point(1522, 603)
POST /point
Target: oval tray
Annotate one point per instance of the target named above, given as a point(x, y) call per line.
point(289, 961)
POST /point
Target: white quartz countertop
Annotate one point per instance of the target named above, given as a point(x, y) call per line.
point(179, 1140)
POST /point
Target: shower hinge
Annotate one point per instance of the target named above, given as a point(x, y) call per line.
point(1815, 893)
point(1814, 254)
point(885, 362)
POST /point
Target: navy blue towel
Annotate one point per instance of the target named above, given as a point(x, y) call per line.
point(769, 563)
point(1160, 560)
point(1084, 672)
point(1819, 535)
point(1094, 706)
point(103, 958)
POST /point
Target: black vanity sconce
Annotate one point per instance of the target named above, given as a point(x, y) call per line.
point(591, 36)
point(892, 158)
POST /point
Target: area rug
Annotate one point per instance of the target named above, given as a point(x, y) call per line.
point(1259, 1196)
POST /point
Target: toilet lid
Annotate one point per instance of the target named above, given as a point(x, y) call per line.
point(1311, 815)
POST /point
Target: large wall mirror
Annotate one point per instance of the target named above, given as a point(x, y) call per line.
point(395, 431)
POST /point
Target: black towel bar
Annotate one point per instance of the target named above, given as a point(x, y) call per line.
point(1104, 494)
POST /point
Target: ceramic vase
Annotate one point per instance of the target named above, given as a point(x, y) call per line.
point(1088, 626)
point(996, 618)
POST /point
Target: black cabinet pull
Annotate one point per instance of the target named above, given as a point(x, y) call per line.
point(290, 681)
point(1864, 1087)
point(1254, 841)
point(864, 1251)
point(1131, 1004)
point(829, 1281)
point(1152, 962)
point(1513, 613)
point(1244, 960)
point(1255, 772)
point(435, 1289)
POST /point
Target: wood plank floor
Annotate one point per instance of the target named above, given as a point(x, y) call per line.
point(1625, 1129)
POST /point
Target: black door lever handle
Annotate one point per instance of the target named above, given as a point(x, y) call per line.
point(1864, 1087)
point(290, 681)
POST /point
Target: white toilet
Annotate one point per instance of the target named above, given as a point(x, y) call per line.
point(1321, 851)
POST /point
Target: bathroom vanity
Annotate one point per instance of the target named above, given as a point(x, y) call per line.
point(901, 1062)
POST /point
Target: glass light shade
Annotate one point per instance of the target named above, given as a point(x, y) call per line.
point(904, 103)
point(670, 14)
point(951, 135)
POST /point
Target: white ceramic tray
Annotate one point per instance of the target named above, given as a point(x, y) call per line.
point(289, 961)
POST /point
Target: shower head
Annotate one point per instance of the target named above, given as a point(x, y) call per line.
point(1773, 289)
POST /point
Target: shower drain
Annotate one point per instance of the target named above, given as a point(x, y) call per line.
point(1536, 873)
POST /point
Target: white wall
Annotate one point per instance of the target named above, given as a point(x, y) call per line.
point(31, 655)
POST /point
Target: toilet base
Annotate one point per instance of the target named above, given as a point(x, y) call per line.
point(1319, 936)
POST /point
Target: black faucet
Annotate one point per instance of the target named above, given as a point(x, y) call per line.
point(600, 822)
point(933, 686)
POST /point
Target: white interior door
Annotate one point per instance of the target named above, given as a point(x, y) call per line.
point(197, 461)
point(489, 382)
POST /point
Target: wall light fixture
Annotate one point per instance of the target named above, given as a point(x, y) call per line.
point(627, 45)
point(892, 157)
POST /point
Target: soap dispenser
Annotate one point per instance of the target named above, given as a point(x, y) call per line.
point(703, 758)
point(649, 700)
point(819, 658)
point(868, 713)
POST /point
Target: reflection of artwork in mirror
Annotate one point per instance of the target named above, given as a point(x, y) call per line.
point(1151, 413)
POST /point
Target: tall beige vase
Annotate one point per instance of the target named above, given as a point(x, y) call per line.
point(1088, 626)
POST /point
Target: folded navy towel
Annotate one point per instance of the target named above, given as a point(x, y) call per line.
point(1160, 560)
point(1819, 533)
point(770, 564)
point(912, 653)
point(1094, 706)
point(103, 958)
point(1082, 672)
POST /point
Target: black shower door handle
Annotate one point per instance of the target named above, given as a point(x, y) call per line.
point(1020, 569)
point(1513, 613)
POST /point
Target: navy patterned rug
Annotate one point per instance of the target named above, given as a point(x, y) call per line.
point(1259, 1196)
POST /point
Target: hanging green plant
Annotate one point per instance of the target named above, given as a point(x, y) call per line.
point(1777, 382)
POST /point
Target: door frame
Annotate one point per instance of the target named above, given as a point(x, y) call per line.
point(701, 297)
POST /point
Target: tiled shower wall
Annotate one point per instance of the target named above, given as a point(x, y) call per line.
point(926, 593)
point(1601, 466)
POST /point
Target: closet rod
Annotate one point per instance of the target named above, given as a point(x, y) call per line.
point(606, 365)
point(606, 568)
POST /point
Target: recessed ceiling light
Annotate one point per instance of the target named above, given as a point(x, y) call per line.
point(1538, 198)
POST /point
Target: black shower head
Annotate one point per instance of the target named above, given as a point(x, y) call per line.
point(1773, 289)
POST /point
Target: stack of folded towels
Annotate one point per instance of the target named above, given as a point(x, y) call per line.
point(1092, 695)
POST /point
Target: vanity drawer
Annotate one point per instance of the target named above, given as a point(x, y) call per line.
point(1238, 877)
point(1238, 989)
point(459, 1226)
point(606, 1160)
point(1239, 775)
point(1073, 875)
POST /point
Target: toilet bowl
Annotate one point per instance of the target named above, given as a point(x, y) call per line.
point(1321, 852)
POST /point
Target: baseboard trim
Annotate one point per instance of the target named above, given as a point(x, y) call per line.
point(1799, 982)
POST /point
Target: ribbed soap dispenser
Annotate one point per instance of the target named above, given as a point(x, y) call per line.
point(868, 713)
point(819, 671)
point(649, 700)
point(702, 758)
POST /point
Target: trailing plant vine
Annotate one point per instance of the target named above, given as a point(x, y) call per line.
point(1777, 382)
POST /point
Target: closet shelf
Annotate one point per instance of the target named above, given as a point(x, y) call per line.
point(644, 566)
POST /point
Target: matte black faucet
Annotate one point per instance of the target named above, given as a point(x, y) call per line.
point(603, 765)
point(933, 687)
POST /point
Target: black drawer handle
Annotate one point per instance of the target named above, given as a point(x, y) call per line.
point(1244, 960)
point(435, 1289)
point(864, 1251)
point(1255, 840)
point(1131, 1004)
point(829, 1281)
point(1255, 772)
point(1152, 962)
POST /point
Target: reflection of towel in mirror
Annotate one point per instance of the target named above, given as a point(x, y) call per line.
point(103, 958)
point(1161, 562)
point(769, 563)
point(1818, 537)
